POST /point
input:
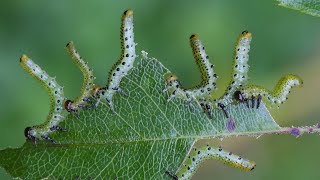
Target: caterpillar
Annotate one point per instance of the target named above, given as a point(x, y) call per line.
point(276, 97)
point(208, 76)
point(192, 163)
point(240, 69)
point(124, 64)
point(57, 98)
point(88, 84)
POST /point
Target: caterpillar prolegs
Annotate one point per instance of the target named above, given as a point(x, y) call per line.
point(197, 155)
point(56, 102)
point(124, 64)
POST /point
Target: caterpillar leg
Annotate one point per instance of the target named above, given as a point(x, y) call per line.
point(207, 108)
point(173, 176)
point(224, 109)
point(198, 155)
point(276, 97)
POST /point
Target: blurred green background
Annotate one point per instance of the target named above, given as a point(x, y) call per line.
point(284, 41)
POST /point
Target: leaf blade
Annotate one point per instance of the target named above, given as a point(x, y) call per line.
point(146, 137)
point(311, 7)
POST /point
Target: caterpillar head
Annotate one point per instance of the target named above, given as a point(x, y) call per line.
point(96, 90)
point(171, 78)
point(29, 133)
point(194, 37)
point(68, 105)
point(238, 96)
point(245, 37)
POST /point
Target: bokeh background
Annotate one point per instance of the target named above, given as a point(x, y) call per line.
point(284, 41)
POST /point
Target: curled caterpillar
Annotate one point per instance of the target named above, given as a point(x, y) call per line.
point(240, 68)
point(208, 76)
point(56, 102)
point(278, 96)
point(125, 63)
point(197, 155)
point(88, 84)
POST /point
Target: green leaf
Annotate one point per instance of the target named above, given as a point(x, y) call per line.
point(146, 136)
point(311, 7)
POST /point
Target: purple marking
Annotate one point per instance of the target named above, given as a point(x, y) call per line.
point(231, 125)
point(318, 125)
point(295, 132)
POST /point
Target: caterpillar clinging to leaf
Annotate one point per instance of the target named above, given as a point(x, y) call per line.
point(276, 97)
point(124, 64)
point(238, 90)
point(240, 68)
point(56, 102)
point(197, 155)
point(88, 84)
point(208, 76)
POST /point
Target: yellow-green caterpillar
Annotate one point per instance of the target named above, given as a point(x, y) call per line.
point(57, 98)
point(208, 76)
point(125, 63)
point(276, 97)
point(197, 155)
point(88, 84)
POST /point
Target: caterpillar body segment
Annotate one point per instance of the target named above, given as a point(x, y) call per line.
point(198, 155)
point(88, 83)
point(57, 98)
point(125, 63)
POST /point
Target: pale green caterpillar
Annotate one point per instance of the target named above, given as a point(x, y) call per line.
point(88, 84)
point(56, 101)
point(197, 155)
point(276, 97)
point(240, 69)
point(208, 76)
point(125, 63)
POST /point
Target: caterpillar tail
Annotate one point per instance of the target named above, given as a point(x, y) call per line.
point(57, 98)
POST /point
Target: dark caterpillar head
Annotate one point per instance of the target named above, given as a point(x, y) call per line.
point(27, 133)
point(68, 105)
point(238, 96)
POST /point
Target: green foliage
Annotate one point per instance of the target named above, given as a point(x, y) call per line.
point(311, 7)
point(146, 136)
